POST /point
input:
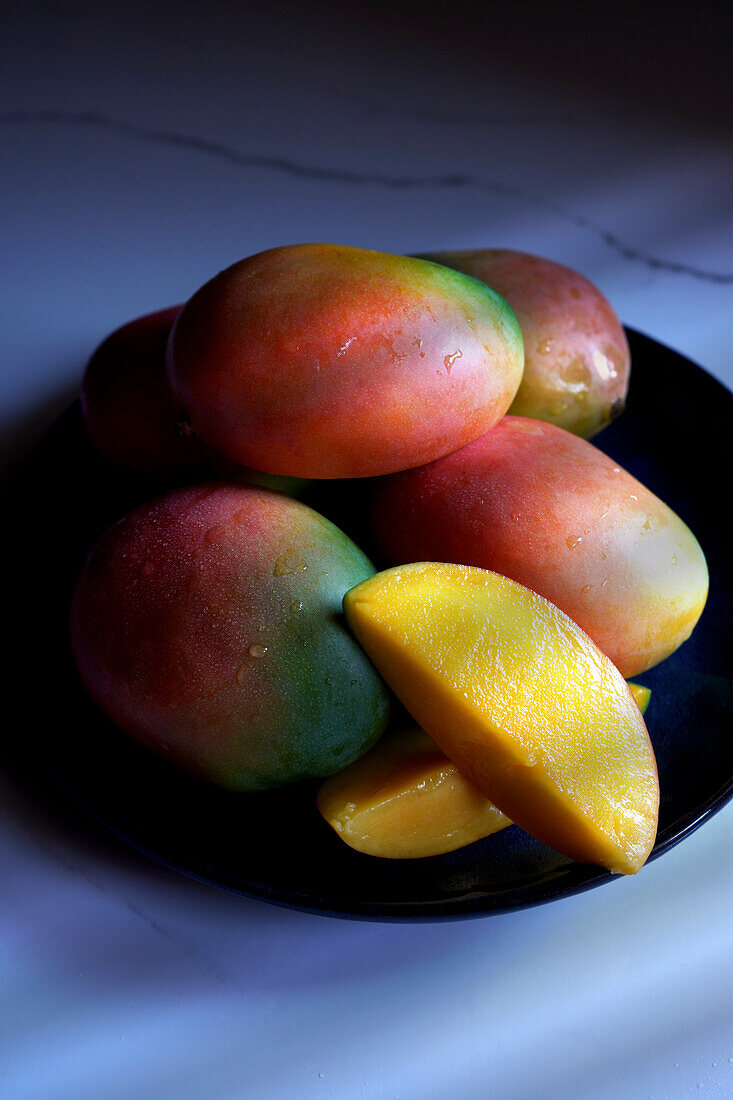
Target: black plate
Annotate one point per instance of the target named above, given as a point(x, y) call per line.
point(674, 437)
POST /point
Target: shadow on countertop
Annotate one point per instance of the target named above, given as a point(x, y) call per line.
point(654, 56)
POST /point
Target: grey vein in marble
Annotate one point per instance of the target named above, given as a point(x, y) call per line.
point(300, 170)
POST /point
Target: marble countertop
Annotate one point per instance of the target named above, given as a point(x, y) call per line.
point(143, 150)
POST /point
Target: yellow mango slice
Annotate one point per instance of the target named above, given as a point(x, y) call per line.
point(641, 694)
point(405, 799)
point(521, 700)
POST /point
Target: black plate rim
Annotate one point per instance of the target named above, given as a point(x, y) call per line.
point(465, 908)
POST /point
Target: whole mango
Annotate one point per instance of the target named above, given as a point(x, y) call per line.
point(207, 624)
point(323, 361)
point(129, 411)
point(576, 370)
point(538, 504)
point(133, 420)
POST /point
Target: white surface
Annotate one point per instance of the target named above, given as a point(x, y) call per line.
point(142, 151)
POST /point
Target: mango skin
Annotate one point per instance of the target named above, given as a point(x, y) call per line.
point(207, 625)
point(577, 361)
point(323, 361)
point(129, 411)
point(548, 509)
point(133, 420)
point(405, 799)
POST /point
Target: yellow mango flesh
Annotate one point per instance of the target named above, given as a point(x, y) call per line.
point(405, 799)
point(521, 700)
point(641, 694)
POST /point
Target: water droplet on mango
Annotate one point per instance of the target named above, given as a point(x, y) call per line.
point(288, 563)
point(450, 359)
point(215, 534)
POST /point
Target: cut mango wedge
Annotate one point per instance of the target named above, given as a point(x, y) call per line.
point(641, 694)
point(521, 700)
point(405, 799)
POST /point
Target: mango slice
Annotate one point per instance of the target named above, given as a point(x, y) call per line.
point(641, 694)
point(405, 799)
point(521, 700)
